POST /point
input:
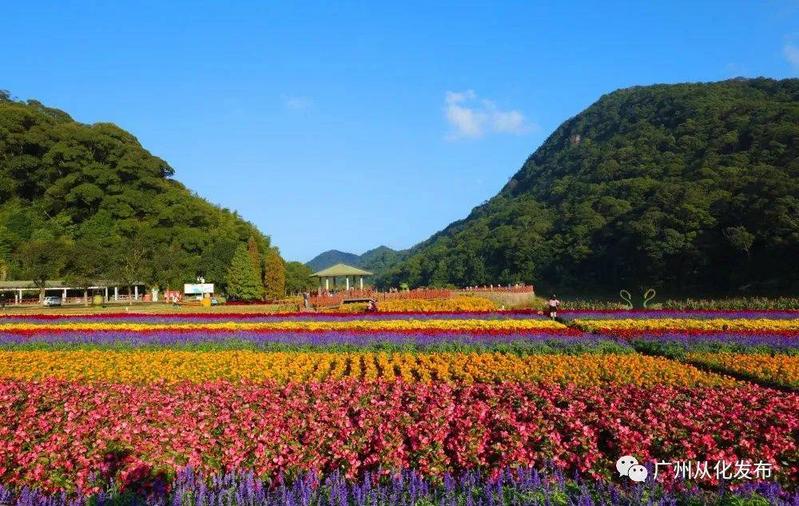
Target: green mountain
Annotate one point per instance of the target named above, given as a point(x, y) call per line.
point(88, 201)
point(381, 259)
point(689, 188)
point(332, 257)
point(376, 260)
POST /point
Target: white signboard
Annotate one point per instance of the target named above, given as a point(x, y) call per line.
point(198, 288)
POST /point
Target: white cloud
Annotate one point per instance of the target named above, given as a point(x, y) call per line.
point(471, 117)
point(511, 122)
point(791, 53)
point(466, 122)
point(295, 103)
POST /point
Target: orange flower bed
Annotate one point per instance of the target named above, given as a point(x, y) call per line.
point(136, 366)
point(777, 369)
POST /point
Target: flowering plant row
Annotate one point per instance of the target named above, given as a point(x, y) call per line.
point(295, 316)
point(676, 344)
point(774, 369)
point(459, 303)
point(614, 314)
point(132, 366)
point(740, 303)
point(734, 304)
point(419, 293)
point(679, 324)
point(64, 435)
point(406, 488)
point(423, 306)
point(443, 325)
point(646, 314)
point(566, 341)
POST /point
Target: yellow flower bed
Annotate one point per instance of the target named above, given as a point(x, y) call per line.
point(359, 307)
point(366, 325)
point(719, 324)
point(196, 366)
point(782, 369)
point(459, 303)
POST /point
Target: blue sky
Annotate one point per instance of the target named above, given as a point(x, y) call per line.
point(350, 125)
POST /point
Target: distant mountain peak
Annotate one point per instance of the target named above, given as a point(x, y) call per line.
point(376, 259)
point(332, 257)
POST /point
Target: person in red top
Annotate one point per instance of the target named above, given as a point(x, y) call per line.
point(553, 306)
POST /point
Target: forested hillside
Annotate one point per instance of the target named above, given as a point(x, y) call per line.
point(381, 259)
point(89, 202)
point(689, 188)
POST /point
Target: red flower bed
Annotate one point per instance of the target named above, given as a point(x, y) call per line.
point(248, 316)
point(56, 434)
point(556, 332)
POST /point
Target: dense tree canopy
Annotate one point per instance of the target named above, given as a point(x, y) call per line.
point(274, 275)
point(243, 278)
point(298, 278)
point(689, 187)
point(41, 260)
point(112, 204)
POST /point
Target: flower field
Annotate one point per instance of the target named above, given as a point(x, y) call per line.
point(443, 407)
point(354, 426)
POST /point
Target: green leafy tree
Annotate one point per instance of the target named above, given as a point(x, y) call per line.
point(255, 255)
point(740, 239)
point(215, 260)
point(243, 282)
point(298, 278)
point(274, 275)
point(130, 264)
point(86, 266)
point(42, 261)
point(169, 269)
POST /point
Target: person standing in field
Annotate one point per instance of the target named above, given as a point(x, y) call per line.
point(553, 306)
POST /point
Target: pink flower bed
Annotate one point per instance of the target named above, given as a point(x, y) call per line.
point(65, 435)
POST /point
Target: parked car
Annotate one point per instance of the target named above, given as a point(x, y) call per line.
point(51, 301)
